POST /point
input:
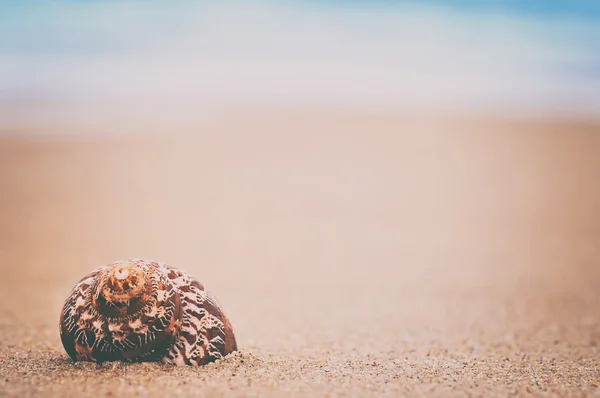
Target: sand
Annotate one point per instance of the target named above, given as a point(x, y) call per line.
point(355, 254)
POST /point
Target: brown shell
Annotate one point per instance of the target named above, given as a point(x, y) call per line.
point(138, 310)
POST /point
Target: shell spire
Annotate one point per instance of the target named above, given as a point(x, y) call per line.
point(138, 310)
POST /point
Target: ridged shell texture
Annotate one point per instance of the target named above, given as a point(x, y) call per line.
point(138, 310)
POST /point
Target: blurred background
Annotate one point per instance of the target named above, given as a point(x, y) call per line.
point(345, 175)
point(82, 65)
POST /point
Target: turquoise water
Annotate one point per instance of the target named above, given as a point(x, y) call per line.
point(535, 8)
point(495, 54)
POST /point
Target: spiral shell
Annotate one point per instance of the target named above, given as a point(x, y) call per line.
point(137, 310)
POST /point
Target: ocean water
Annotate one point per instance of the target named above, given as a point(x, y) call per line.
point(183, 58)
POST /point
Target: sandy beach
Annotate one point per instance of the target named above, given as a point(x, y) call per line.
point(355, 254)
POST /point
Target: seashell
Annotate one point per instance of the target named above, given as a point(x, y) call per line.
point(137, 310)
